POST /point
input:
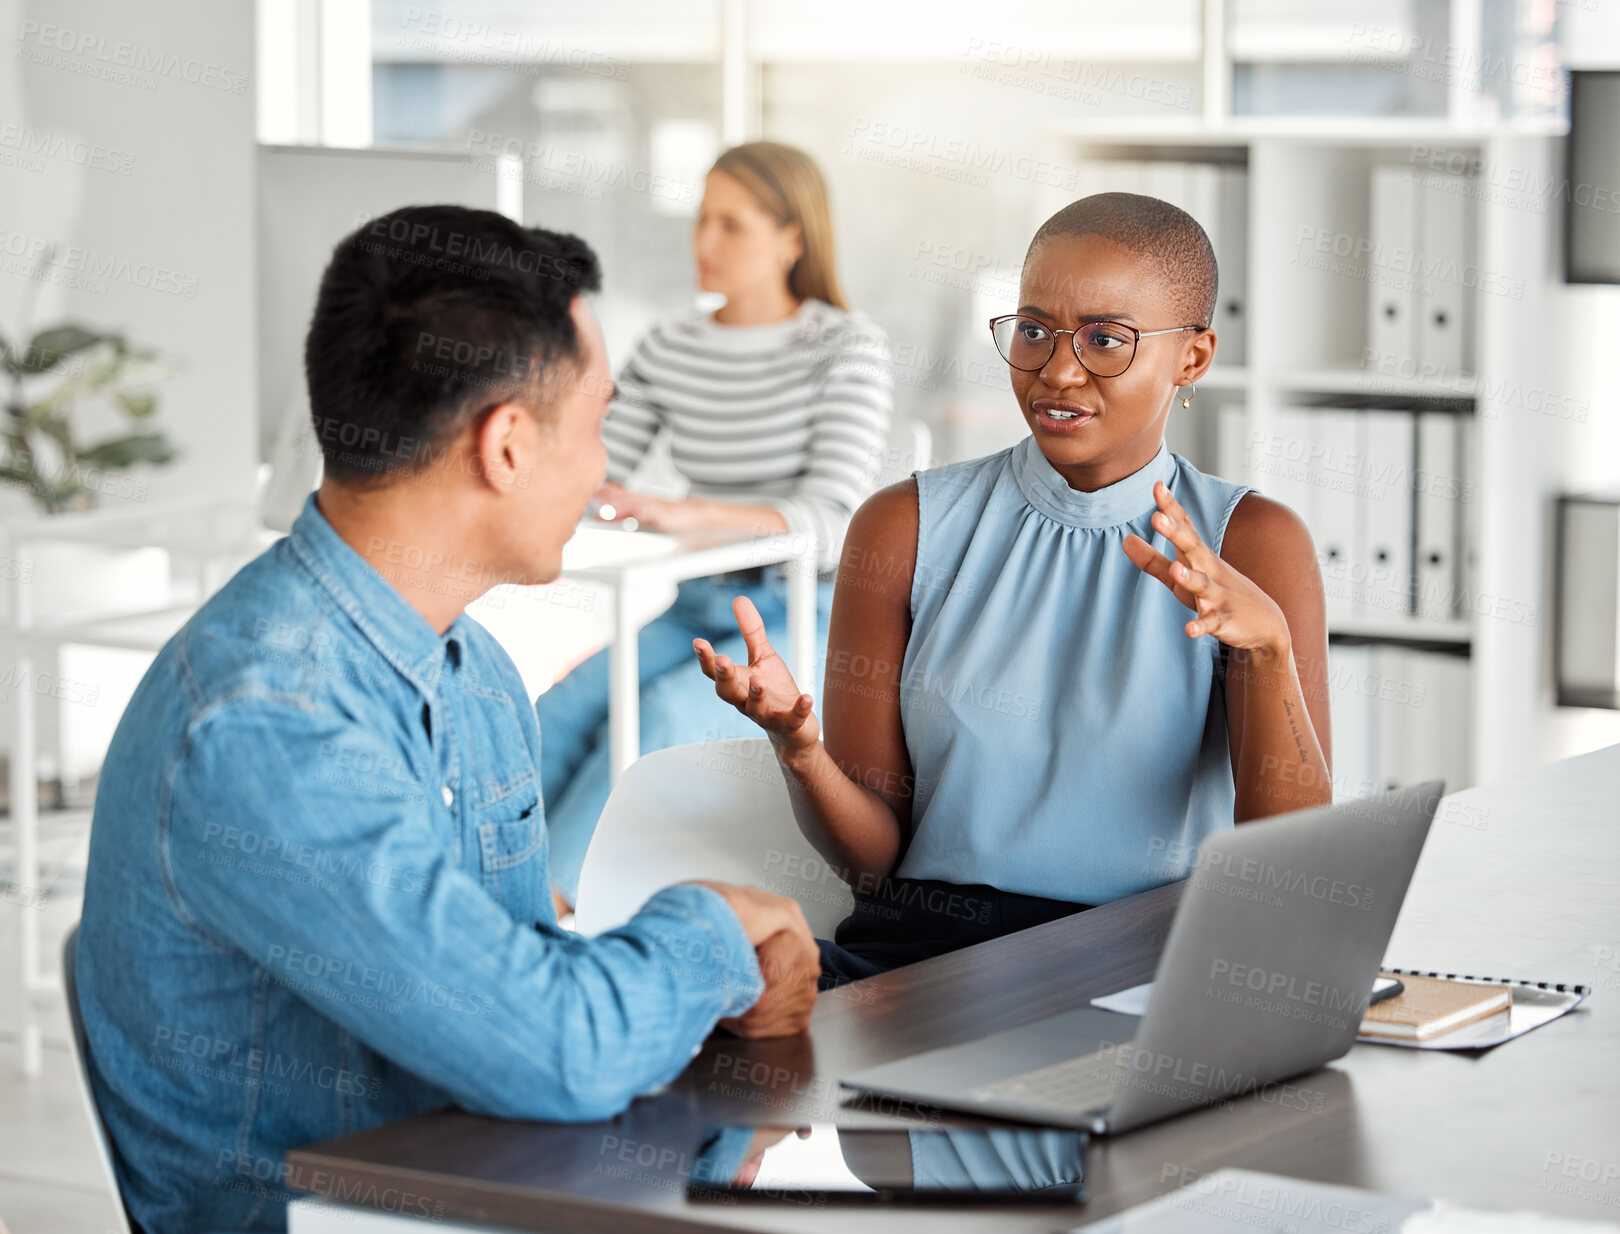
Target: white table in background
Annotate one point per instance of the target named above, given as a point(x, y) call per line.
point(217, 536)
point(213, 536)
point(635, 564)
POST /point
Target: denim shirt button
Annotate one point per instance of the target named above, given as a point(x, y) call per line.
point(449, 797)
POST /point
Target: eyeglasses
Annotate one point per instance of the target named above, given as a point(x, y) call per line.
point(1104, 348)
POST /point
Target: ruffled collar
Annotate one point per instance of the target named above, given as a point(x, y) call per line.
point(1118, 503)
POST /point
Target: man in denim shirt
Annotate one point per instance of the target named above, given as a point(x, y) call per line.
point(317, 897)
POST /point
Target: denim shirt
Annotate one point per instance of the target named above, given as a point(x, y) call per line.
point(317, 901)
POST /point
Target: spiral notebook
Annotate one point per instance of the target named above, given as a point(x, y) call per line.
point(1534, 1003)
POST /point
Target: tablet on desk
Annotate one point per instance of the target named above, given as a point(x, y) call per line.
point(820, 1164)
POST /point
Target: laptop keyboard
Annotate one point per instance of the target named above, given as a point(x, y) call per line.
point(1076, 1085)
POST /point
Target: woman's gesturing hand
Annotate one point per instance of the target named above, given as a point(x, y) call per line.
point(763, 689)
point(1228, 605)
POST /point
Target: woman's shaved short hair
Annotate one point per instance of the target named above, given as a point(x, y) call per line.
point(1166, 235)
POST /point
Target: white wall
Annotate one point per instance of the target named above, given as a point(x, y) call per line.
point(1530, 455)
point(1588, 461)
point(117, 138)
point(1590, 455)
point(1589, 36)
point(143, 82)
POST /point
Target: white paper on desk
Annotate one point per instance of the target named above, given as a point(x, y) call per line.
point(1246, 1200)
point(1243, 1201)
point(1446, 1218)
point(1133, 1001)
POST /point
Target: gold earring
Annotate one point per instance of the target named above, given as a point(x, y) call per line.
point(1187, 398)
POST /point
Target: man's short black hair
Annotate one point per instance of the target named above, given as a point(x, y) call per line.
point(428, 316)
point(1167, 235)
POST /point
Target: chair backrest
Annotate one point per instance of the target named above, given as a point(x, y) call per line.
point(717, 810)
point(910, 448)
point(81, 1062)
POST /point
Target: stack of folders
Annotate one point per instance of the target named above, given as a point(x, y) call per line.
point(1385, 494)
point(1429, 1007)
point(1386, 499)
point(1216, 194)
point(1400, 717)
point(1420, 302)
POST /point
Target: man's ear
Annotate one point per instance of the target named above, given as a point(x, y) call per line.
point(499, 448)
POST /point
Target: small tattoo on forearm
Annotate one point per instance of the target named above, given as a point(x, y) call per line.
point(1293, 728)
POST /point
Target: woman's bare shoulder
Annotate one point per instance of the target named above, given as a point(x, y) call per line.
point(881, 543)
point(1266, 537)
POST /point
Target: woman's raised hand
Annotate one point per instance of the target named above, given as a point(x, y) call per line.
point(1227, 604)
point(763, 689)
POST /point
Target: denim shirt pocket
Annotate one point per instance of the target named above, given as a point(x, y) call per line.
point(512, 850)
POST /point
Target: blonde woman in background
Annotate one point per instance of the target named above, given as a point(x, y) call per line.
point(777, 407)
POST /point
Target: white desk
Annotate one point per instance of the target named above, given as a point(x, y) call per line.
point(633, 563)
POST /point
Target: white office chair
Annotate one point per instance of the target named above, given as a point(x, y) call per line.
point(910, 448)
point(81, 1056)
point(716, 810)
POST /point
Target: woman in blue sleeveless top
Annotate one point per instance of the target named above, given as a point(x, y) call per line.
point(1051, 673)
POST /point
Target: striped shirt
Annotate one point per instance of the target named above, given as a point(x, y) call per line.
point(793, 414)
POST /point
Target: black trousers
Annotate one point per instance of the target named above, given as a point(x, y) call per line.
point(909, 919)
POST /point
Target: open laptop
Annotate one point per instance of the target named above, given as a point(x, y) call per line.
point(1268, 968)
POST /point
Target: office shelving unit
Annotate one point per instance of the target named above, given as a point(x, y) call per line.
point(1307, 331)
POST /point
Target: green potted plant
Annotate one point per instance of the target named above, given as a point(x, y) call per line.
point(76, 364)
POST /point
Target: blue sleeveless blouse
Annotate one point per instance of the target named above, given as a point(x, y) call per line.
point(1067, 738)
